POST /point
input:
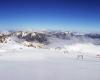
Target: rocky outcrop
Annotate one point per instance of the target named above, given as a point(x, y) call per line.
point(35, 45)
point(3, 38)
point(32, 36)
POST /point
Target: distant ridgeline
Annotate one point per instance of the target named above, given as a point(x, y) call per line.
point(28, 38)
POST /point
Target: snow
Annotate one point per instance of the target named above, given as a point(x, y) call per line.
point(45, 64)
point(18, 62)
point(2, 50)
point(53, 69)
point(84, 48)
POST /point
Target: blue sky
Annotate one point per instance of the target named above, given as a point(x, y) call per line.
point(75, 15)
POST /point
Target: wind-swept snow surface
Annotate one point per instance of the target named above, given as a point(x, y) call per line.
point(44, 64)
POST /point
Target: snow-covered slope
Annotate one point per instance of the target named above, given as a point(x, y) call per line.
point(71, 41)
point(26, 55)
point(45, 64)
point(84, 48)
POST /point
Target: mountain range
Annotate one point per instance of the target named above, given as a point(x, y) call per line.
point(48, 38)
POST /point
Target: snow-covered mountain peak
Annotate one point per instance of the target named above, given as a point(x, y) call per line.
point(49, 38)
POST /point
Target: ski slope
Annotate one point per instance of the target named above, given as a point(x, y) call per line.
point(56, 62)
point(45, 64)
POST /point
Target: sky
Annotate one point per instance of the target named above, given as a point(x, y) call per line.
point(74, 15)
